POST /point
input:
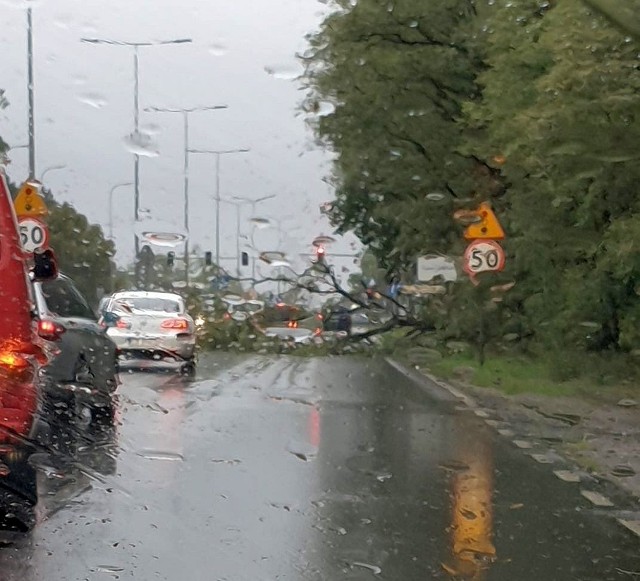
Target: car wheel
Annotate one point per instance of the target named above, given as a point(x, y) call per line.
point(188, 369)
point(83, 374)
point(103, 415)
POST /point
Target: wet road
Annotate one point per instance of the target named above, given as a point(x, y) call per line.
point(309, 469)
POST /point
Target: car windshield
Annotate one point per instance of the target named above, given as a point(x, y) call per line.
point(153, 304)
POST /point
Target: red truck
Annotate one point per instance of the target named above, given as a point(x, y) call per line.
point(22, 355)
point(22, 352)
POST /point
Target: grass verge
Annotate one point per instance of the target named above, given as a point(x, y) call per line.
point(515, 375)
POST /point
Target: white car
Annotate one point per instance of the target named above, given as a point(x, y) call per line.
point(152, 324)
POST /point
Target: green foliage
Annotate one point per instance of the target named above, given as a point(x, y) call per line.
point(397, 75)
point(529, 104)
point(369, 271)
point(83, 252)
point(623, 15)
point(602, 377)
point(571, 150)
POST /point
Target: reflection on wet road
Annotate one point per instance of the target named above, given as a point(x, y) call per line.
point(306, 469)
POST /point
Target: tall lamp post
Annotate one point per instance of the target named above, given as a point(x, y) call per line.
point(31, 97)
point(218, 153)
point(50, 168)
point(185, 112)
point(238, 202)
point(136, 106)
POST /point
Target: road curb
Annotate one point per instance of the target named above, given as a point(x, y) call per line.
point(427, 381)
point(442, 390)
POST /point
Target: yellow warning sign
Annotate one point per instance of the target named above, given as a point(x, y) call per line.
point(29, 203)
point(482, 223)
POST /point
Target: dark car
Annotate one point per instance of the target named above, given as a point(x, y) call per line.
point(85, 362)
point(337, 318)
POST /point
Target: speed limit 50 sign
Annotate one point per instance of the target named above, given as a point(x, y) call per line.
point(483, 256)
point(33, 234)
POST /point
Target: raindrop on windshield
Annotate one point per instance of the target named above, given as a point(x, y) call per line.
point(280, 263)
point(150, 129)
point(93, 100)
point(164, 239)
point(284, 72)
point(373, 568)
point(217, 49)
point(261, 222)
point(141, 144)
point(321, 108)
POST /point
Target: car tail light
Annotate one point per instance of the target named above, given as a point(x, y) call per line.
point(13, 362)
point(123, 324)
point(176, 324)
point(50, 330)
point(18, 395)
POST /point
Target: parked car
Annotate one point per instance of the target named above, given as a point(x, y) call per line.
point(337, 319)
point(152, 325)
point(86, 361)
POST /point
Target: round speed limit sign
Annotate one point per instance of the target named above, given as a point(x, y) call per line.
point(33, 234)
point(483, 256)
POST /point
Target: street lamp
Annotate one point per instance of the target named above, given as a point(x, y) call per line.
point(31, 96)
point(185, 115)
point(136, 106)
point(51, 168)
point(238, 202)
point(218, 153)
point(111, 192)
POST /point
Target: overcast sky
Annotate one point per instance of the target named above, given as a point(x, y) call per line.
point(243, 55)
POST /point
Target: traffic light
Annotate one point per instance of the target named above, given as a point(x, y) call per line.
point(171, 257)
point(208, 258)
point(320, 254)
point(245, 259)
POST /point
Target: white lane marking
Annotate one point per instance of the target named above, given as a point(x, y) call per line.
point(632, 525)
point(523, 444)
point(481, 413)
point(567, 475)
point(596, 498)
point(506, 432)
point(542, 458)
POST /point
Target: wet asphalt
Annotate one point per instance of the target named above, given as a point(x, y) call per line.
point(288, 468)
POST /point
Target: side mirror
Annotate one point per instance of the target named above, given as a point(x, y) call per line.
point(45, 266)
point(110, 319)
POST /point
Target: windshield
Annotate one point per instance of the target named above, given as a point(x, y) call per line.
point(350, 290)
point(150, 304)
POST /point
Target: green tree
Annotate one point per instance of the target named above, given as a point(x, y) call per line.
point(571, 151)
point(83, 252)
point(386, 84)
